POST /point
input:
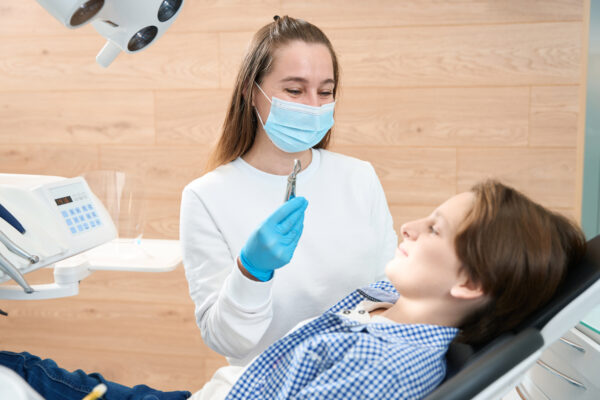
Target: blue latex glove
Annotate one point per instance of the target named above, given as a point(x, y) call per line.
point(272, 245)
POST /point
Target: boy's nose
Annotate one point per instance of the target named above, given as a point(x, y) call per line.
point(408, 232)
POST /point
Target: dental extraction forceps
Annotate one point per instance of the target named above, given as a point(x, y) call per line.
point(291, 181)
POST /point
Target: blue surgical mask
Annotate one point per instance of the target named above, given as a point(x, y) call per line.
point(295, 127)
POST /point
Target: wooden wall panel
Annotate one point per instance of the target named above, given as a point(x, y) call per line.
point(435, 94)
point(48, 159)
point(554, 113)
point(29, 18)
point(343, 13)
point(82, 117)
point(165, 170)
point(161, 219)
point(461, 56)
point(177, 60)
point(232, 47)
point(190, 117)
point(538, 172)
point(225, 15)
point(411, 176)
point(117, 324)
point(433, 117)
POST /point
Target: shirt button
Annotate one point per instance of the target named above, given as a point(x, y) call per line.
point(346, 312)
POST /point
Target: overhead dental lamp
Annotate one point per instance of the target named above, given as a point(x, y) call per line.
point(127, 25)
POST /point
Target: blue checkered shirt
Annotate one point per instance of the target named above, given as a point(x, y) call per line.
point(333, 357)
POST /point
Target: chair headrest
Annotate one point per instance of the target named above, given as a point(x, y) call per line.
point(579, 278)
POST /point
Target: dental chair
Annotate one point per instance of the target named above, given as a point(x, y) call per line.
point(493, 370)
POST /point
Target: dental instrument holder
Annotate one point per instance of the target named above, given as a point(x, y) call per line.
point(74, 255)
point(290, 191)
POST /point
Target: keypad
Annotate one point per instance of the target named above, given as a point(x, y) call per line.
point(80, 216)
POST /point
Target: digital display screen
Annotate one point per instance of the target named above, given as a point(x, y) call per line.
point(63, 200)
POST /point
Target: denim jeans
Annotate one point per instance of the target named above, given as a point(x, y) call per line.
point(54, 383)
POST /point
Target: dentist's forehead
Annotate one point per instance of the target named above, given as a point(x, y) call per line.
point(301, 59)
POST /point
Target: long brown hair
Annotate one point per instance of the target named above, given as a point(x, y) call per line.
point(239, 128)
point(518, 251)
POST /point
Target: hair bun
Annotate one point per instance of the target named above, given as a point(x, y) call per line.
point(276, 17)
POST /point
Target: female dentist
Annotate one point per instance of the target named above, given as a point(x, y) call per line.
point(234, 229)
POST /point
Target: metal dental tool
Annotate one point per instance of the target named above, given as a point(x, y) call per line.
point(291, 181)
point(13, 248)
point(15, 274)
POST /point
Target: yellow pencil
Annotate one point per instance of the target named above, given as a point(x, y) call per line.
point(96, 393)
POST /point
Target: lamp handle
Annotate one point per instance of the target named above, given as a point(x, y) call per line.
point(107, 55)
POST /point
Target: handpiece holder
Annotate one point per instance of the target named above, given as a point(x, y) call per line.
point(121, 254)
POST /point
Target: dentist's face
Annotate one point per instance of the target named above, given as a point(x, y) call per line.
point(301, 72)
point(426, 265)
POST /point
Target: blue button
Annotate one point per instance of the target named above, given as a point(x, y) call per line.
point(73, 230)
point(76, 219)
point(90, 207)
point(98, 222)
point(72, 212)
point(94, 214)
point(79, 228)
point(64, 213)
point(92, 224)
point(86, 226)
point(84, 207)
point(88, 215)
point(69, 222)
point(77, 210)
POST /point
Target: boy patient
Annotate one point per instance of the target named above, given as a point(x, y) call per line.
point(476, 267)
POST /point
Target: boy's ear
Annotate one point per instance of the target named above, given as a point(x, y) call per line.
point(466, 289)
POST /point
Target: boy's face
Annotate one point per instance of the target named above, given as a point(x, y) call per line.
point(426, 266)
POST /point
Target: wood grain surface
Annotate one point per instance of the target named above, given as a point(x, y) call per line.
point(435, 94)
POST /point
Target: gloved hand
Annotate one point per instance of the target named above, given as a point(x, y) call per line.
point(272, 245)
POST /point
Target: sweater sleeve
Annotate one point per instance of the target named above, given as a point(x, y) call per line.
point(232, 311)
point(384, 224)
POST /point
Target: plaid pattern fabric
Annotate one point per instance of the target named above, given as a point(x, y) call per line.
point(333, 357)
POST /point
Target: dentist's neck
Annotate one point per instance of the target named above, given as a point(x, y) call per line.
point(267, 157)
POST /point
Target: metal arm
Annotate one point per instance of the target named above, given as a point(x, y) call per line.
point(15, 274)
point(10, 245)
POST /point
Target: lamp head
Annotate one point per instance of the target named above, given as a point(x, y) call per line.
point(128, 25)
point(72, 13)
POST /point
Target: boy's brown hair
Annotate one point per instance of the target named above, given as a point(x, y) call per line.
point(518, 251)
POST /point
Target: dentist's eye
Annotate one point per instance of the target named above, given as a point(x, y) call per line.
point(294, 92)
point(326, 93)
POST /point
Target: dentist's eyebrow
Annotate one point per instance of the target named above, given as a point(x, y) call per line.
point(305, 81)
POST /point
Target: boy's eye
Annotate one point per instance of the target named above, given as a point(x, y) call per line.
point(326, 93)
point(293, 91)
point(433, 230)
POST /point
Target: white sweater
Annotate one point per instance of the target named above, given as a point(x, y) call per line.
point(348, 238)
